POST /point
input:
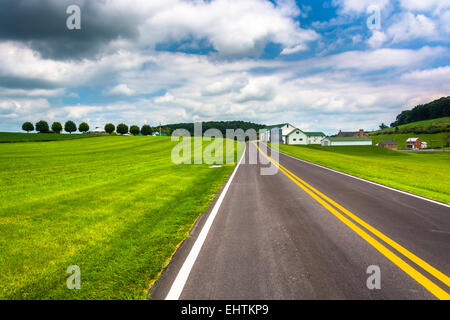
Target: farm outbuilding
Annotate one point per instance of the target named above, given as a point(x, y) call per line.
point(388, 144)
point(346, 141)
point(315, 137)
point(98, 130)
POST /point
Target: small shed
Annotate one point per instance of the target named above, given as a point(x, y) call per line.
point(413, 144)
point(388, 144)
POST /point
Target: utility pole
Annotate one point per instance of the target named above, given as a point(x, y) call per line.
point(160, 129)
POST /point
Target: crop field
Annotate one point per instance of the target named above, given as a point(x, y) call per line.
point(36, 137)
point(117, 207)
point(422, 173)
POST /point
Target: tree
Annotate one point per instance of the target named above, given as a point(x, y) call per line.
point(134, 130)
point(83, 127)
point(122, 129)
point(383, 126)
point(146, 130)
point(56, 127)
point(42, 126)
point(109, 128)
point(27, 126)
point(70, 127)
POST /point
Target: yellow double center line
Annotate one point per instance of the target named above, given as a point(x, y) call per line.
point(332, 207)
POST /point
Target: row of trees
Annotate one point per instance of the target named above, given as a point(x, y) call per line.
point(70, 126)
point(220, 125)
point(43, 127)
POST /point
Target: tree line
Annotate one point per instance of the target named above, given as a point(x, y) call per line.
point(70, 126)
point(436, 109)
point(220, 125)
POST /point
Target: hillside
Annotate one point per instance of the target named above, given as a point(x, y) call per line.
point(435, 132)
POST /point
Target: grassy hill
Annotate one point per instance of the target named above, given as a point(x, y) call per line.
point(392, 168)
point(6, 137)
point(115, 206)
point(435, 132)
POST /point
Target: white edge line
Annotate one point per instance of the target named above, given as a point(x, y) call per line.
point(178, 285)
point(368, 181)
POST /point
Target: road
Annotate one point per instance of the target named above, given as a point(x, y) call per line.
point(311, 233)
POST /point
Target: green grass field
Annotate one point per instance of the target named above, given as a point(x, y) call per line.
point(36, 137)
point(115, 206)
point(422, 173)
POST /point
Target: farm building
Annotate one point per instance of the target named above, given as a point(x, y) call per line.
point(267, 134)
point(346, 141)
point(359, 134)
point(413, 144)
point(315, 137)
point(98, 130)
point(296, 136)
point(388, 144)
point(290, 134)
point(156, 134)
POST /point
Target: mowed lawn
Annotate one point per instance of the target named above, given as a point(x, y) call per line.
point(422, 173)
point(115, 206)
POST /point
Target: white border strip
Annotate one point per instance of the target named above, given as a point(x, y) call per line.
point(368, 181)
point(180, 281)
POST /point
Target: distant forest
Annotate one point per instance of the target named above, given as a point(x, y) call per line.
point(220, 125)
point(436, 109)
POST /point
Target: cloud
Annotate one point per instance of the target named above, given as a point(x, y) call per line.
point(15, 108)
point(232, 28)
point(377, 39)
point(411, 27)
point(120, 90)
point(425, 6)
point(359, 5)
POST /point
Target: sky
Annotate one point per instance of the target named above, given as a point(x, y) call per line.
point(315, 64)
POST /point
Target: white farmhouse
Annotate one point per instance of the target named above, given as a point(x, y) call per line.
point(346, 141)
point(296, 136)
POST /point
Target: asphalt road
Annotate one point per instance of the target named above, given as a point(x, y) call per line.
point(271, 239)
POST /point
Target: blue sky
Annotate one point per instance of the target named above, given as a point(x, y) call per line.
point(314, 64)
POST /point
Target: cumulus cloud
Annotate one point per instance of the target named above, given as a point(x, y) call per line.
point(232, 28)
point(120, 90)
point(411, 27)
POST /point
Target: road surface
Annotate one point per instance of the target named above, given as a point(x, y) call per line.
point(311, 233)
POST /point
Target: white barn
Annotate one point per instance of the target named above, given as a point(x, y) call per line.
point(348, 141)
